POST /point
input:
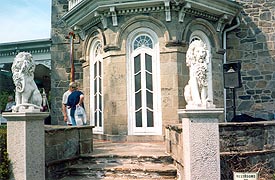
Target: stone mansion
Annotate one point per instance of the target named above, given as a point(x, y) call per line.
point(130, 59)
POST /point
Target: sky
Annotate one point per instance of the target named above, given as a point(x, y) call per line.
point(23, 20)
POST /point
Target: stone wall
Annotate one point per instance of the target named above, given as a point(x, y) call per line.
point(64, 145)
point(243, 145)
point(60, 64)
point(240, 143)
point(252, 43)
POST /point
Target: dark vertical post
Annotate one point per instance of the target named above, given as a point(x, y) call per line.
point(234, 102)
point(72, 76)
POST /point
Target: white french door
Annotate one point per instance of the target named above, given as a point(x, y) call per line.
point(144, 98)
point(96, 95)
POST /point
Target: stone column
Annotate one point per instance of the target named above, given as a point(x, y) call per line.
point(201, 151)
point(25, 144)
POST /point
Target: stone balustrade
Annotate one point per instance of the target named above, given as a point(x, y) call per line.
point(73, 3)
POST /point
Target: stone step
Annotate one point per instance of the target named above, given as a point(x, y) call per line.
point(122, 168)
point(112, 178)
point(166, 159)
point(121, 161)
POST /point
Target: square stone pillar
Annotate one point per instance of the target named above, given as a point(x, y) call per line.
point(201, 151)
point(25, 144)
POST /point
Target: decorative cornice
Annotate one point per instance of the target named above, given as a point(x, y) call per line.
point(91, 12)
point(15, 51)
point(41, 49)
point(136, 10)
point(201, 14)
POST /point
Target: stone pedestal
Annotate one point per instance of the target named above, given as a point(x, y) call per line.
point(201, 151)
point(25, 144)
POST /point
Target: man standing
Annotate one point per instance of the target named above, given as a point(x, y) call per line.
point(75, 99)
point(65, 109)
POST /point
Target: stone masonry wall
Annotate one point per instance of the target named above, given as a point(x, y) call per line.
point(252, 43)
point(60, 53)
point(243, 143)
point(63, 145)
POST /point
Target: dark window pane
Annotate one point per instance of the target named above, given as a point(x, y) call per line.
point(148, 60)
point(95, 86)
point(149, 99)
point(137, 64)
point(95, 70)
point(138, 100)
point(95, 118)
point(99, 68)
point(149, 81)
point(100, 119)
point(139, 119)
point(100, 102)
point(95, 102)
point(150, 119)
point(99, 81)
point(137, 82)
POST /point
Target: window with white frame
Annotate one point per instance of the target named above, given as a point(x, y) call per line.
point(96, 95)
point(145, 116)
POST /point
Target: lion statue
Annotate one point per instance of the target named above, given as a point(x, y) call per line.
point(195, 91)
point(27, 95)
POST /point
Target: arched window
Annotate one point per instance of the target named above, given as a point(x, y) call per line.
point(144, 87)
point(96, 94)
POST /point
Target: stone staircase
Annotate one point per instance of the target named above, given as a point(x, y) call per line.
point(121, 161)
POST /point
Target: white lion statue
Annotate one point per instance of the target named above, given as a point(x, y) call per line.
point(196, 91)
point(27, 95)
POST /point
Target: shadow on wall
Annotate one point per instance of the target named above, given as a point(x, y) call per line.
point(246, 118)
point(249, 44)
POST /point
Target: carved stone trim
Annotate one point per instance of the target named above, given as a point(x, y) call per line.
point(222, 21)
point(111, 48)
point(114, 16)
point(102, 18)
point(175, 43)
point(92, 23)
point(167, 10)
point(81, 33)
point(182, 12)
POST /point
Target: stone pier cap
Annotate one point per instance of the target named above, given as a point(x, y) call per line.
point(13, 116)
point(200, 113)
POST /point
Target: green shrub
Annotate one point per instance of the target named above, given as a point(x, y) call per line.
point(3, 99)
point(4, 161)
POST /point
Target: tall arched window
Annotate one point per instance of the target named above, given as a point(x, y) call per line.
point(96, 95)
point(144, 84)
